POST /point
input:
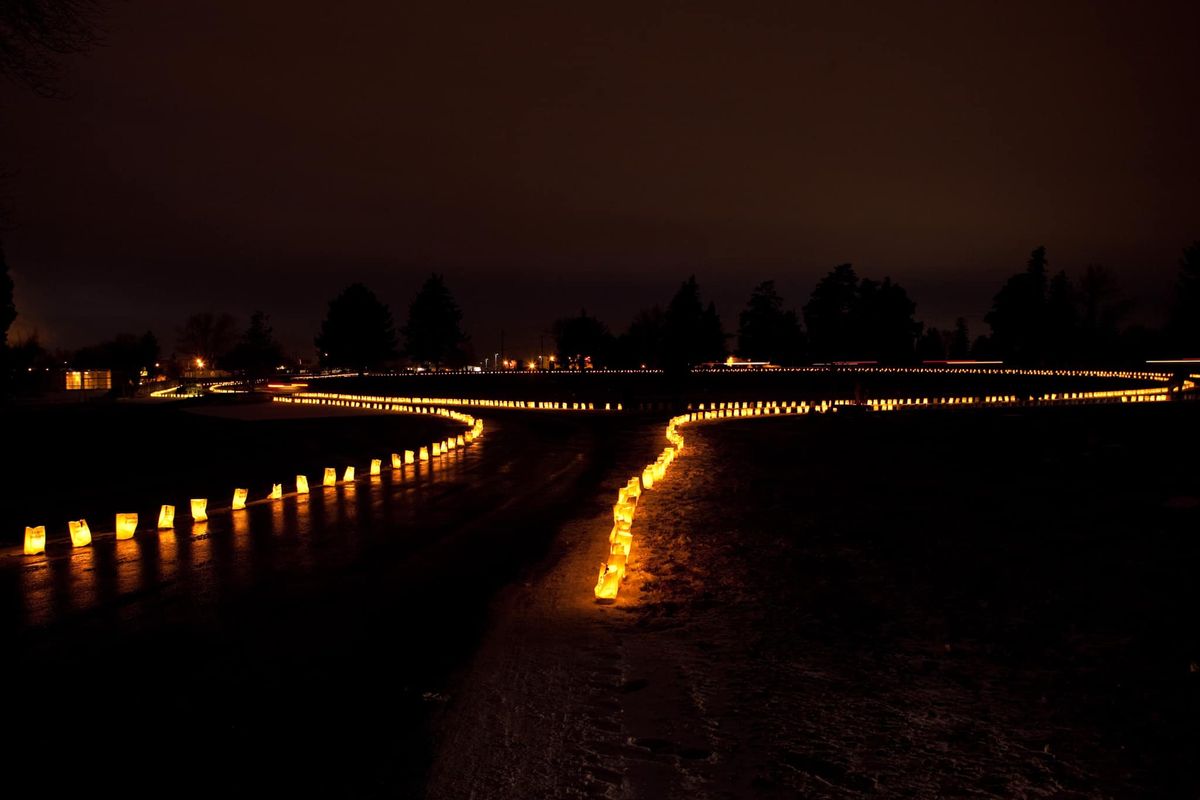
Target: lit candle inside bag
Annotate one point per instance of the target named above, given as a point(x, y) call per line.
point(35, 540)
point(166, 517)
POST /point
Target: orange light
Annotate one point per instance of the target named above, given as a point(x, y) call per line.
point(126, 526)
point(81, 534)
point(35, 540)
point(607, 584)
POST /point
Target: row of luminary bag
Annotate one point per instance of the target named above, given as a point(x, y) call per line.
point(620, 538)
point(126, 524)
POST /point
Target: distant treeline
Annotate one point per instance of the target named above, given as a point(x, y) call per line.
point(1036, 319)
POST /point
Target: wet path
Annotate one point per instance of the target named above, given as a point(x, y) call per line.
point(296, 646)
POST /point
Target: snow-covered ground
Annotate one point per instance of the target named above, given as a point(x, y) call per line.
point(811, 613)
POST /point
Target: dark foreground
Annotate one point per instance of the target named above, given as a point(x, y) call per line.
point(296, 648)
point(996, 604)
point(923, 603)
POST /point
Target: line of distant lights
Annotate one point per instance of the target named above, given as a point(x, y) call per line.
point(944, 368)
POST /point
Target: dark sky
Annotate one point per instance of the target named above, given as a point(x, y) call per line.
point(238, 155)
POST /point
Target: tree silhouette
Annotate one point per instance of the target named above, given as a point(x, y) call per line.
point(884, 322)
point(692, 333)
point(8, 310)
point(852, 319)
point(1184, 325)
point(358, 331)
point(766, 332)
point(432, 335)
point(829, 315)
point(35, 34)
point(1102, 309)
point(642, 345)
point(207, 336)
point(257, 353)
point(1061, 321)
point(1017, 317)
point(932, 346)
point(960, 341)
point(582, 340)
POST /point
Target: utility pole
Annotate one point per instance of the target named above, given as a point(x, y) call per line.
point(502, 343)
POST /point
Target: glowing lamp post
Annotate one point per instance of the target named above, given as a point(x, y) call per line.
point(199, 509)
point(126, 525)
point(166, 517)
point(35, 540)
point(239, 498)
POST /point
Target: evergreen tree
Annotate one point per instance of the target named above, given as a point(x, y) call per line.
point(1101, 311)
point(850, 319)
point(766, 332)
point(692, 333)
point(960, 341)
point(884, 324)
point(433, 335)
point(829, 315)
point(358, 331)
point(1017, 317)
point(1061, 321)
point(1184, 326)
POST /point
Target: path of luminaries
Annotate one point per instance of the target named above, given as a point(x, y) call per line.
point(126, 525)
point(621, 534)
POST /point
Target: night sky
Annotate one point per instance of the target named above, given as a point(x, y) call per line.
point(231, 155)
